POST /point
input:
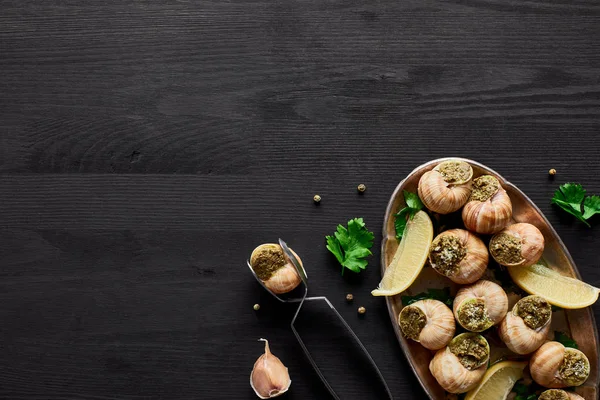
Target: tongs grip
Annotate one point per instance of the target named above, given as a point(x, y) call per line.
point(290, 255)
point(354, 336)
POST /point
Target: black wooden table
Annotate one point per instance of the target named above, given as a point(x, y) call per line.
point(146, 147)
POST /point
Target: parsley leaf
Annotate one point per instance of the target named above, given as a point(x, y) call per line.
point(591, 206)
point(351, 246)
point(442, 295)
point(413, 204)
point(527, 392)
point(565, 340)
point(572, 199)
point(504, 279)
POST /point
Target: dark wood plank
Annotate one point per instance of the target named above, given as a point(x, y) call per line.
point(146, 147)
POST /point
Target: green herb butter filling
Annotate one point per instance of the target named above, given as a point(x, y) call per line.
point(484, 188)
point(534, 310)
point(446, 253)
point(412, 321)
point(554, 394)
point(471, 349)
point(472, 315)
point(456, 172)
point(506, 249)
point(575, 367)
point(268, 262)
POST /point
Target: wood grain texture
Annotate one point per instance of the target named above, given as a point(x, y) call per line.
point(146, 147)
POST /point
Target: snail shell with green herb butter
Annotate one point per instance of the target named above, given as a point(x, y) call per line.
point(274, 269)
point(556, 366)
point(447, 187)
point(460, 366)
point(459, 255)
point(489, 208)
point(520, 244)
point(526, 327)
point(429, 322)
point(557, 394)
point(480, 306)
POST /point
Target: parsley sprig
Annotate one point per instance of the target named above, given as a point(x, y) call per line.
point(565, 340)
point(571, 198)
point(351, 246)
point(413, 204)
point(527, 392)
point(442, 295)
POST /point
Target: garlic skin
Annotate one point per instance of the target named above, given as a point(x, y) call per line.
point(557, 394)
point(520, 244)
point(429, 322)
point(483, 214)
point(269, 377)
point(449, 368)
point(479, 306)
point(447, 187)
point(459, 255)
point(555, 366)
point(520, 335)
point(282, 280)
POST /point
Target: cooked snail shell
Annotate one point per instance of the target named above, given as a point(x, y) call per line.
point(274, 269)
point(526, 326)
point(460, 255)
point(429, 322)
point(556, 366)
point(479, 306)
point(460, 366)
point(557, 394)
point(519, 244)
point(489, 208)
point(447, 187)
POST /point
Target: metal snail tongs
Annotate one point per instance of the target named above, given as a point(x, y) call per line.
point(304, 278)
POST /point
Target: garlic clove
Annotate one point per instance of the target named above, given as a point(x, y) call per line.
point(269, 377)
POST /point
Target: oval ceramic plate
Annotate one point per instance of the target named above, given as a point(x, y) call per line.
point(579, 324)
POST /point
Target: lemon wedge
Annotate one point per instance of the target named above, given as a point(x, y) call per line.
point(410, 257)
point(559, 290)
point(498, 381)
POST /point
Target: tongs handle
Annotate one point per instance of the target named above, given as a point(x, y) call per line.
point(354, 336)
point(304, 278)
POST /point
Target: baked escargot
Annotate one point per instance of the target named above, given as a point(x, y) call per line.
point(274, 269)
point(429, 322)
point(525, 328)
point(556, 366)
point(520, 244)
point(489, 208)
point(447, 187)
point(480, 306)
point(459, 255)
point(459, 366)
